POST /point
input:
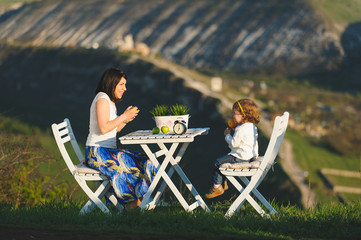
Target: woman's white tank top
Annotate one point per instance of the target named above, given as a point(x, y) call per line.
point(107, 140)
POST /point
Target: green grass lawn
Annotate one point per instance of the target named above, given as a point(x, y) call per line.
point(49, 162)
point(345, 181)
point(312, 159)
point(343, 11)
point(326, 222)
point(17, 1)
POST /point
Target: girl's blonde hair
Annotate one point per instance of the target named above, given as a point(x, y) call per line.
point(249, 110)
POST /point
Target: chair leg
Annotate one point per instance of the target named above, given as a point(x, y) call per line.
point(115, 201)
point(260, 197)
point(112, 198)
point(245, 195)
point(256, 206)
point(94, 196)
point(238, 203)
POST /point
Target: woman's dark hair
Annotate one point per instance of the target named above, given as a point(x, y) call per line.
point(109, 81)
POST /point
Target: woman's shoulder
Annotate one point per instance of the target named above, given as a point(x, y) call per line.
point(101, 95)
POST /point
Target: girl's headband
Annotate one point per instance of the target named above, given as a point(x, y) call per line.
point(241, 108)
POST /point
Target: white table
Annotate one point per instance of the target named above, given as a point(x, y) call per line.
point(145, 138)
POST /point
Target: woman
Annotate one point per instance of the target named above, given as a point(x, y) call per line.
point(130, 172)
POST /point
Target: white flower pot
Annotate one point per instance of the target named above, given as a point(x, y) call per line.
point(168, 121)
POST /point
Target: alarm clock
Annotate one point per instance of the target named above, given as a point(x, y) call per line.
point(179, 127)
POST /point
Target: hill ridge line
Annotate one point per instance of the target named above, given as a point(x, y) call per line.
point(236, 35)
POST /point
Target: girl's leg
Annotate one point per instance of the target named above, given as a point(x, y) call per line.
point(217, 177)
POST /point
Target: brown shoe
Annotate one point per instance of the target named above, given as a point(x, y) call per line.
point(225, 185)
point(215, 192)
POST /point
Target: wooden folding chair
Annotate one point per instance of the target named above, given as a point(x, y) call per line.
point(63, 134)
point(256, 171)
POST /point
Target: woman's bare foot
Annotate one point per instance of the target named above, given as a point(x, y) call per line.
point(138, 202)
point(133, 204)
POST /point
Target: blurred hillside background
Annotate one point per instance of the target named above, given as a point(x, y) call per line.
point(300, 56)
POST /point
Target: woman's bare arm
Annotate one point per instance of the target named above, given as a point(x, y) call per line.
point(106, 125)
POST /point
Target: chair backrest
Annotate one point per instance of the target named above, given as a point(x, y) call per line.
point(63, 133)
point(278, 133)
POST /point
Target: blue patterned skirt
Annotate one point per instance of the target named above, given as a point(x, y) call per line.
point(130, 172)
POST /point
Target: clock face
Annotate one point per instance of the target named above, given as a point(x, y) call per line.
point(179, 128)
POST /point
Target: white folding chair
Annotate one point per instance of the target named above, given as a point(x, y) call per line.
point(63, 134)
point(256, 171)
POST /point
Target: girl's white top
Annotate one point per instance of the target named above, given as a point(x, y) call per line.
point(95, 138)
point(243, 144)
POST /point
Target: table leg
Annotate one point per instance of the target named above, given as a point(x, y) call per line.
point(171, 170)
point(162, 173)
point(160, 170)
point(167, 177)
point(190, 186)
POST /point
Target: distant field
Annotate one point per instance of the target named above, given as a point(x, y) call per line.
point(17, 1)
point(312, 159)
point(339, 11)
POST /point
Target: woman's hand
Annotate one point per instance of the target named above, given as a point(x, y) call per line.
point(227, 131)
point(105, 125)
point(130, 113)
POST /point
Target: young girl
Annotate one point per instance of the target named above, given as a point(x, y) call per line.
point(243, 143)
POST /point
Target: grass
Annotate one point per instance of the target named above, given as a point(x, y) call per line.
point(14, 132)
point(345, 181)
point(313, 158)
point(339, 11)
point(10, 2)
point(338, 14)
point(331, 221)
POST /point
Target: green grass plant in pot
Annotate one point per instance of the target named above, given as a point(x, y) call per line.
point(178, 109)
point(166, 116)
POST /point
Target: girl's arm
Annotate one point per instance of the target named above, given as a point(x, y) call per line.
point(104, 124)
point(235, 140)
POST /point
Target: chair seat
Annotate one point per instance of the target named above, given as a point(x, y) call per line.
point(246, 170)
point(241, 166)
point(238, 172)
point(81, 168)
